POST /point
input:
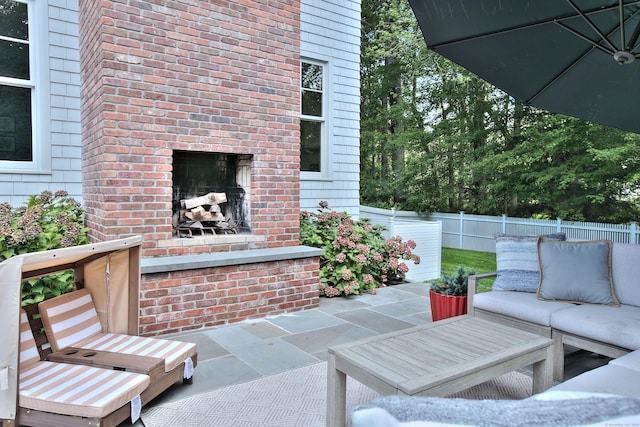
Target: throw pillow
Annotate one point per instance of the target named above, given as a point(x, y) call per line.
point(577, 272)
point(517, 262)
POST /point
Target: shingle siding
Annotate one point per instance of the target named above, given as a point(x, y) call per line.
point(331, 32)
point(63, 114)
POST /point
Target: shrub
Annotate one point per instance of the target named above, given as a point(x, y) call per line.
point(45, 221)
point(453, 284)
point(357, 257)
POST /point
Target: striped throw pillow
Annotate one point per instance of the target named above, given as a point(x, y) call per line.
point(517, 262)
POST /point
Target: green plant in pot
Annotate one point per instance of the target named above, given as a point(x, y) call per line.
point(448, 294)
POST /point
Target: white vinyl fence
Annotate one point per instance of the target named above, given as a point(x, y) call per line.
point(476, 232)
point(411, 226)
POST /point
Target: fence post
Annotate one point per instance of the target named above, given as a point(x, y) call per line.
point(460, 242)
point(633, 233)
point(392, 220)
point(558, 225)
point(504, 223)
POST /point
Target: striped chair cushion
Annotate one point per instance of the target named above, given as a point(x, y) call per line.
point(517, 262)
point(67, 389)
point(72, 321)
point(28, 350)
point(69, 318)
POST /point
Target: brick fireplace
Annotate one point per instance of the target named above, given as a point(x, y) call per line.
point(180, 99)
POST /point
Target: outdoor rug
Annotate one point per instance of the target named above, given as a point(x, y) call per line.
point(294, 398)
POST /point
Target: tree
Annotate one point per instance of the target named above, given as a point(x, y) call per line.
point(392, 49)
point(435, 137)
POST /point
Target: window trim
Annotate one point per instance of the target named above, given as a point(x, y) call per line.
point(38, 15)
point(325, 128)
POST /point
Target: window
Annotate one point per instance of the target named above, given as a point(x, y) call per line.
point(18, 88)
point(312, 119)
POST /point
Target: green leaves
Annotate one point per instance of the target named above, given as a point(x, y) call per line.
point(45, 221)
point(357, 257)
point(37, 290)
point(453, 284)
point(435, 137)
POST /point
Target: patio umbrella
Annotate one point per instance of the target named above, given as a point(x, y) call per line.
point(575, 57)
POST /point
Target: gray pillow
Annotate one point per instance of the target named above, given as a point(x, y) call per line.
point(577, 272)
point(517, 262)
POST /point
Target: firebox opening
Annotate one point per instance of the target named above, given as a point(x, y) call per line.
point(211, 193)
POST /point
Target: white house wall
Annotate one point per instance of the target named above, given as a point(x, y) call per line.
point(64, 113)
point(331, 33)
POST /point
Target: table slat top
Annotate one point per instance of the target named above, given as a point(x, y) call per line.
point(440, 350)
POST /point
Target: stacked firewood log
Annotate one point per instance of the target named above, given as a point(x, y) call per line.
point(203, 214)
point(203, 208)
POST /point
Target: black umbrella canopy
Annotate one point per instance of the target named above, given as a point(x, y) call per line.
point(575, 57)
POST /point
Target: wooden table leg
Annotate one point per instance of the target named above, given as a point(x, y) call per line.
point(336, 394)
point(543, 372)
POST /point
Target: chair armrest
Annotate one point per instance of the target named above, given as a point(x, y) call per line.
point(472, 288)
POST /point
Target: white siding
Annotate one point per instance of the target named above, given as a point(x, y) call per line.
point(330, 31)
point(62, 55)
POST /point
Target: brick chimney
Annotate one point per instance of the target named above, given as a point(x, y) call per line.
point(160, 77)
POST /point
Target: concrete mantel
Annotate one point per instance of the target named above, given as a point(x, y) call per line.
point(221, 259)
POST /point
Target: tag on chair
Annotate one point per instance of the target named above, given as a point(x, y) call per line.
point(188, 368)
point(136, 408)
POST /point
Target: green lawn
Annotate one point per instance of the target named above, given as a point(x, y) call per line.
point(481, 262)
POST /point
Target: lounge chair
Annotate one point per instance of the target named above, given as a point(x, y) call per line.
point(57, 394)
point(71, 321)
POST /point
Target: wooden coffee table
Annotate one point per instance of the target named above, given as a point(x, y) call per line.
point(437, 359)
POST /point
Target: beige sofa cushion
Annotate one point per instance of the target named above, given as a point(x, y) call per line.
point(612, 325)
point(522, 305)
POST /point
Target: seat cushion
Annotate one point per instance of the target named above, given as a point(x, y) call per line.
point(609, 379)
point(613, 325)
point(71, 320)
point(77, 390)
point(67, 389)
point(629, 361)
point(521, 305)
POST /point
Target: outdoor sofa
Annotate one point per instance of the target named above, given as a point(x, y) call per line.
point(581, 294)
point(585, 295)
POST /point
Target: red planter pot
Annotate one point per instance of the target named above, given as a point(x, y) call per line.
point(445, 306)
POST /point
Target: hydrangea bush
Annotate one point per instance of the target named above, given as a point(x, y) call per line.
point(45, 221)
point(357, 256)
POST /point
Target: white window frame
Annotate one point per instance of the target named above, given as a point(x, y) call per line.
point(38, 16)
point(324, 121)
